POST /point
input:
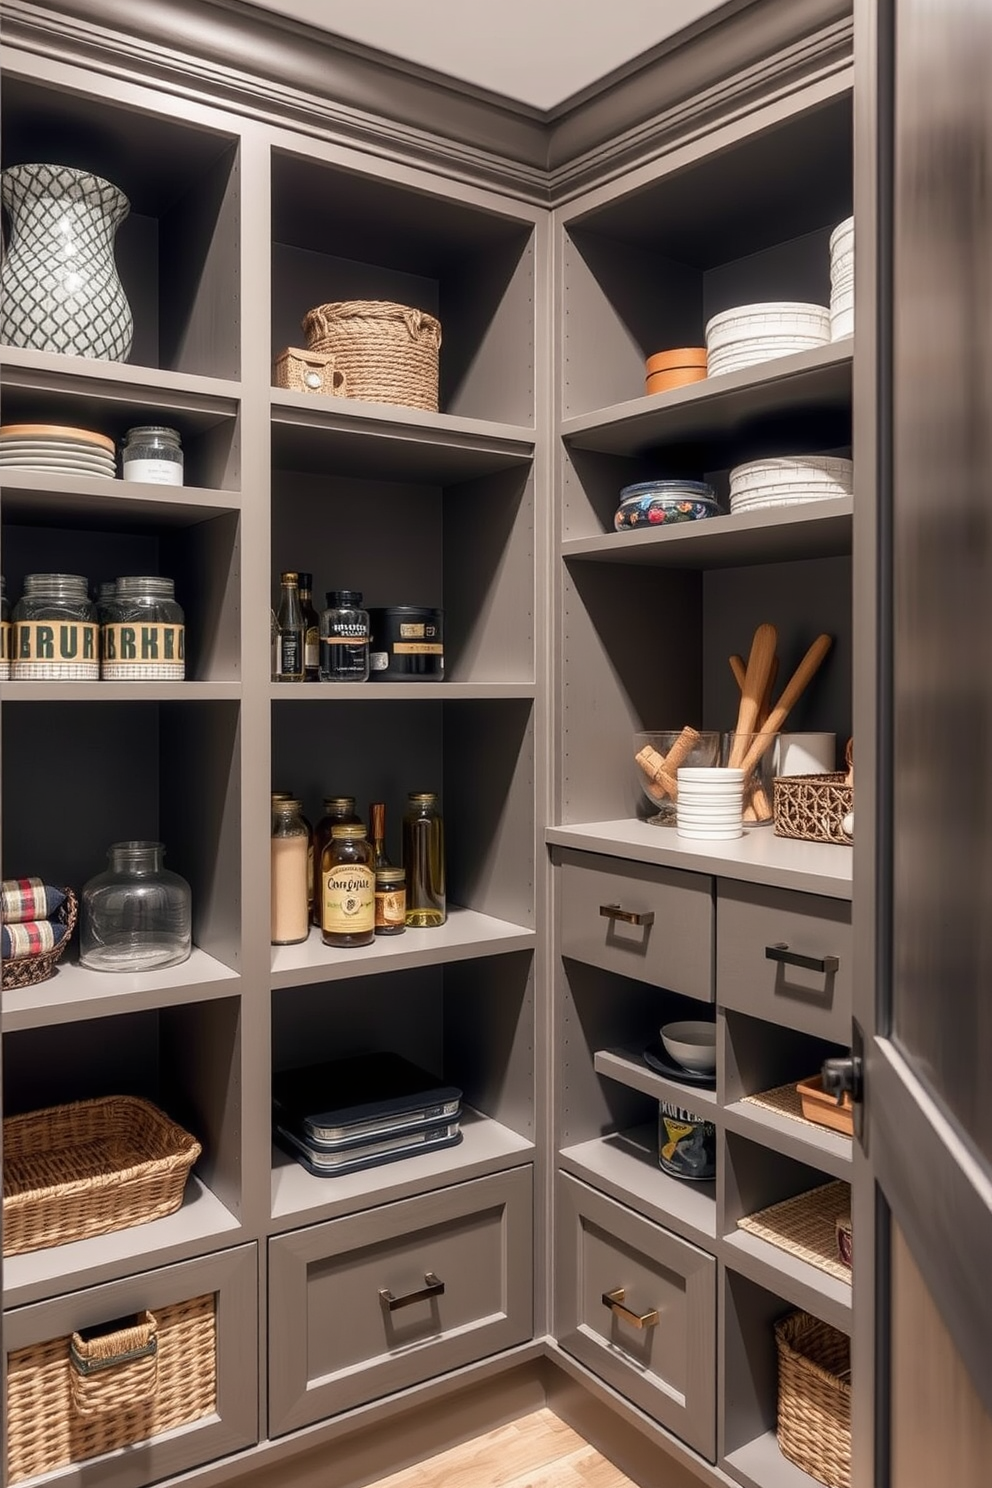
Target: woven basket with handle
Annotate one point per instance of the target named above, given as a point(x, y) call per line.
point(89, 1168)
point(101, 1390)
point(814, 1398)
point(387, 352)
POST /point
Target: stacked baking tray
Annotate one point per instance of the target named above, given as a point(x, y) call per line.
point(356, 1113)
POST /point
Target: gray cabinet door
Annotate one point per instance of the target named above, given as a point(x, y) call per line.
point(654, 924)
point(363, 1306)
point(785, 957)
point(638, 1306)
point(232, 1424)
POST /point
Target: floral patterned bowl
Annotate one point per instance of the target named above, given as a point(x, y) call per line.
point(663, 503)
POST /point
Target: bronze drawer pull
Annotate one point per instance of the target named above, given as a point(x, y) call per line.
point(614, 1301)
point(434, 1288)
point(629, 916)
point(780, 952)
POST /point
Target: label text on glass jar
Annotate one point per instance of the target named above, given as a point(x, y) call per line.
point(131, 650)
point(349, 899)
point(62, 649)
point(390, 908)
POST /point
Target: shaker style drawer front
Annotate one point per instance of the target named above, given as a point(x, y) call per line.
point(653, 924)
point(137, 1380)
point(363, 1306)
point(785, 957)
point(638, 1306)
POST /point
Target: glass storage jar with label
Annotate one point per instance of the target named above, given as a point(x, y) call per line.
point(136, 915)
point(344, 638)
point(154, 454)
point(4, 632)
point(390, 900)
point(348, 889)
point(144, 637)
point(288, 796)
point(290, 857)
point(56, 637)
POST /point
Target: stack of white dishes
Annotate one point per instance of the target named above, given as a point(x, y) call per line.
point(842, 280)
point(789, 480)
point(749, 334)
point(57, 449)
point(709, 804)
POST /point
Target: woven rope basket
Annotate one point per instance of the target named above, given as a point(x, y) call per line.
point(33, 969)
point(813, 807)
point(387, 352)
point(814, 1398)
point(89, 1168)
point(74, 1398)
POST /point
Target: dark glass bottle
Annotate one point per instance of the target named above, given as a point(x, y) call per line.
point(377, 835)
point(423, 860)
point(289, 641)
point(347, 889)
point(338, 810)
point(311, 630)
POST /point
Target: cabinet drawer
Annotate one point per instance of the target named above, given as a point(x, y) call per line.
point(666, 1366)
point(362, 1306)
point(185, 1394)
point(672, 947)
point(750, 921)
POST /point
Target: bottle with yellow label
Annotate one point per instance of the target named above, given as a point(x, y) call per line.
point(347, 881)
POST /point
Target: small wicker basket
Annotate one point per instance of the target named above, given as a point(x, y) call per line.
point(32, 969)
point(387, 352)
point(813, 807)
point(814, 1398)
point(89, 1168)
point(102, 1390)
point(308, 372)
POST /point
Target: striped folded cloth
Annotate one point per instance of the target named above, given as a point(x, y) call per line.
point(18, 942)
point(28, 899)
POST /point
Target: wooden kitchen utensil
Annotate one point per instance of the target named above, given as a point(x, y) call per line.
point(791, 693)
point(759, 665)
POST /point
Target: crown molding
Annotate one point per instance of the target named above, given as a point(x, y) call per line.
point(285, 73)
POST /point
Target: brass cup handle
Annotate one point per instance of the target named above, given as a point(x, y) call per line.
point(434, 1288)
point(614, 1301)
point(780, 952)
point(628, 916)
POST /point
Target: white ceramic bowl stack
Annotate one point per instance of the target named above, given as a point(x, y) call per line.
point(57, 450)
point(842, 280)
point(750, 334)
point(789, 480)
point(709, 804)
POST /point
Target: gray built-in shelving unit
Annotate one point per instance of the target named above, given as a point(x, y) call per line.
point(254, 196)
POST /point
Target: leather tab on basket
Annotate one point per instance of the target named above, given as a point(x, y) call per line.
point(114, 1372)
point(306, 371)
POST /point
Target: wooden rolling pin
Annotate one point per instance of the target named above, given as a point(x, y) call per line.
point(791, 693)
point(759, 665)
point(757, 807)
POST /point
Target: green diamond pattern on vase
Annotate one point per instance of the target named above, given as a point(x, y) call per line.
point(59, 288)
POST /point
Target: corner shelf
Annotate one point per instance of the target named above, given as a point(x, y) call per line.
point(819, 529)
point(29, 494)
point(120, 692)
point(625, 1166)
point(75, 993)
point(387, 442)
point(757, 857)
point(465, 935)
point(817, 381)
point(201, 1224)
point(800, 1283)
point(299, 1198)
point(626, 1067)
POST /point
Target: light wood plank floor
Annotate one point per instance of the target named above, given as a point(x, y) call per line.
point(538, 1451)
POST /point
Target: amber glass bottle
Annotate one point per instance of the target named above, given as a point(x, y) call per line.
point(338, 810)
point(348, 889)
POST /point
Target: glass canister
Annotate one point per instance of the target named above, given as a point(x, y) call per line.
point(136, 915)
point(290, 860)
point(106, 597)
point(288, 796)
point(347, 889)
point(4, 632)
point(55, 636)
point(344, 638)
point(423, 860)
point(144, 635)
point(338, 811)
point(153, 454)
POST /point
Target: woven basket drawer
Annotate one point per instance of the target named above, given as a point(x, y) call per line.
point(363, 1306)
point(127, 1364)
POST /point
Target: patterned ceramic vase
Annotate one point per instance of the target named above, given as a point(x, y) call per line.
point(59, 289)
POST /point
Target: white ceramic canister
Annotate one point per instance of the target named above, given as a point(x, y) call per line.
point(806, 754)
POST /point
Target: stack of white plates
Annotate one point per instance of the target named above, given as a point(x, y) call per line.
point(709, 803)
point(750, 334)
point(789, 481)
point(842, 280)
point(57, 449)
